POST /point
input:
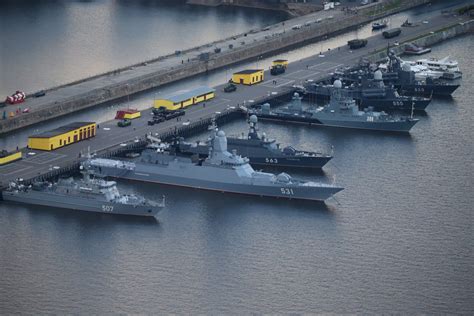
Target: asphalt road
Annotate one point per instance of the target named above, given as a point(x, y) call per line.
point(109, 134)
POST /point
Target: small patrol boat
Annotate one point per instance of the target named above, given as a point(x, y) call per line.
point(87, 194)
point(342, 111)
point(258, 148)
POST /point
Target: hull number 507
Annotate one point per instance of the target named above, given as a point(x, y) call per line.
point(107, 208)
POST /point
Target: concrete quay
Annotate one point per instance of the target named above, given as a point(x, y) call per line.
point(110, 138)
point(92, 91)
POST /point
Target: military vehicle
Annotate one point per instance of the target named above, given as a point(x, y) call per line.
point(357, 43)
point(392, 33)
point(230, 87)
point(259, 149)
point(87, 194)
point(277, 70)
point(156, 119)
point(342, 111)
point(221, 171)
point(167, 114)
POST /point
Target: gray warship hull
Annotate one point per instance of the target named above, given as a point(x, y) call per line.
point(401, 126)
point(402, 103)
point(205, 178)
point(264, 157)
point(78, 204)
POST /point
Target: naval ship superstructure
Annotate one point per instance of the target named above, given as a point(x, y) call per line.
point(259, 149)
point(87, 194)
point(372, 93)
point(401, 76)
point(221, 171)
point(342, 111)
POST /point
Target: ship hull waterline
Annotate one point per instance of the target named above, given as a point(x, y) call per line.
point(143, 173)
point(403, 127)
point(79, 204)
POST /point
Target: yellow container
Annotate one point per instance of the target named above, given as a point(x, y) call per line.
point(62, 136)
point(185, 98)
point(248, 77)
point(10, 157)
point(280, 62)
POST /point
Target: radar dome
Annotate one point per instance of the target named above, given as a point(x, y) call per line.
point(220, 133)
point(338, 84)
point(378, 75)
point(253, 118)
point(296, 94)
point(283, 177)
point(406, 67)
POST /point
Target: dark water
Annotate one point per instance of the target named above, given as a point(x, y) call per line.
point(399, 238)
point(47, 43)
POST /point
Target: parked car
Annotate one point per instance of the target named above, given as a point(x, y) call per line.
point(41, 93)
point(124, 123)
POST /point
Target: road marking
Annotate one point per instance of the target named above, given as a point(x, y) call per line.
point(284, 84)
point(11, 169)
point(336, 66)
point(270, 84)
point(44, 158)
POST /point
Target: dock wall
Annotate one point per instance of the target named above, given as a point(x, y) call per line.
point(429, 39)
point(242, 52)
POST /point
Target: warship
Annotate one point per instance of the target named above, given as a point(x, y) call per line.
point(342, 111)
point(401, 77)
point(259, 149)
point(87, 194)
point(372, 93)
point(221, 171)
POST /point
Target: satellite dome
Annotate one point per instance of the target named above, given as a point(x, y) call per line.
point(378, 75)
point(221, 134)
point(338, 84)
point(253, 118)
point(406, 67)
point(296, 94)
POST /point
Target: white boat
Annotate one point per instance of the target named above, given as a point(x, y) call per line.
point(436, 68)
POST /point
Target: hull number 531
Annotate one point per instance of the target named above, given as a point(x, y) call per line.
point(287, 191)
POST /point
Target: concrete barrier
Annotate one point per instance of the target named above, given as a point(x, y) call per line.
point(429, 39)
